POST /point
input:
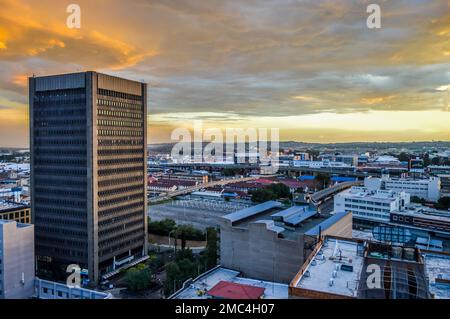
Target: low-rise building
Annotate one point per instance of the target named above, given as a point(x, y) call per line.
point(356, 269)
point(18, 212)
point(428, 189)
point(268, 242)
point(368, 205)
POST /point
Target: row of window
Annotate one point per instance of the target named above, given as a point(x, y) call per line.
point(59, 172)
point(368, 208)
point(121, 190)
point(118, 200)
point(60, 192)
point(79, 213)
point(60, 122)
point(119, 123)
point(120, 218)
point(119, 133)
point(120, 181)
point(60, 112)
point(59, 141)
point(122, 241)
point(120, 142)
point(117, 229)
point(119, 161)
point(119, 114)
point(122, 170)
point(348, 200)
point(62, 181)
point(120, 95)
point(59, 162)
point(125, 151)
point(70, 132)
point(81, 202)
point(110, 212)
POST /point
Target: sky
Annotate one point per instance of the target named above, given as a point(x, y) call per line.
point(311, 68)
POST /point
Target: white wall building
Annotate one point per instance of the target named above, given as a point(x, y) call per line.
point(370, 205)
point(429, 189)
point(16, 260)
point(320, 164)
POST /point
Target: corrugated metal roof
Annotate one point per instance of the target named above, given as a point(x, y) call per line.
point(251, 211)
point(298, 218)
point(284, 214)
point(326, 223)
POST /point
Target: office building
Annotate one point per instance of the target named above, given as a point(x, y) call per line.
point(18, 212)
point(88, 172)
point(17, 269)
point(428, 189)
point(371, 206)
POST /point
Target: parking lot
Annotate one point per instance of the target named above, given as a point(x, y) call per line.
point(201, 213)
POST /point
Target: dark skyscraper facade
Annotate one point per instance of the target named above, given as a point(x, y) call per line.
point(88, 165)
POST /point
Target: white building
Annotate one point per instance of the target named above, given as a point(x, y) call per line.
point(429, 189)
point(370, 205)
point(320, 164)
point(16, 260)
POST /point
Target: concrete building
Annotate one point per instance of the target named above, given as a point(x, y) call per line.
point(423, 220)
point(18, 212)
point(17, 269)
point(267, 242)
point(340, 269)
point(429, 189)
point(439, 169)
point(88, 164)
point(370, 205)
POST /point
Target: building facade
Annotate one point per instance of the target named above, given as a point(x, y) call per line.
point(370, 205)
point(16, 260)
point(429, 189)
point(15, 211)
point(88, 171)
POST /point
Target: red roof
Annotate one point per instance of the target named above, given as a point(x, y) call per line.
point(230, 290)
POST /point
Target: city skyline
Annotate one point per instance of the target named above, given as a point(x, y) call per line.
point(311, 68)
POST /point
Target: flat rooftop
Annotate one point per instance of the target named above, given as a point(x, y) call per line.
point(325, 267)
point(6, 206)
point(364, 193)
point(288, 223)
point(438, 266)
point(203, 283)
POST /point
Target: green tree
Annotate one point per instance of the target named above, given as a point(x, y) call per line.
point(138, 278)
point(281, 190)
point(443, 203)
point(211, 247)
point(323, 179)
point(263, 195)
point(418, 200)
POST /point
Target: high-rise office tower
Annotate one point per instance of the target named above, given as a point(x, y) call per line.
point(88, 172)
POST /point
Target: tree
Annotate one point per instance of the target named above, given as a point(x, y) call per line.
point(211, 247)
point(443, 203)
point(138, 278)
point(404, 157)
point(418, 200)
point(263, 195)
point(280, 190)
point(323, 179)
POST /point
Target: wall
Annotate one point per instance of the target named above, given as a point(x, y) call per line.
point(17, 259)
point(258, 253)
